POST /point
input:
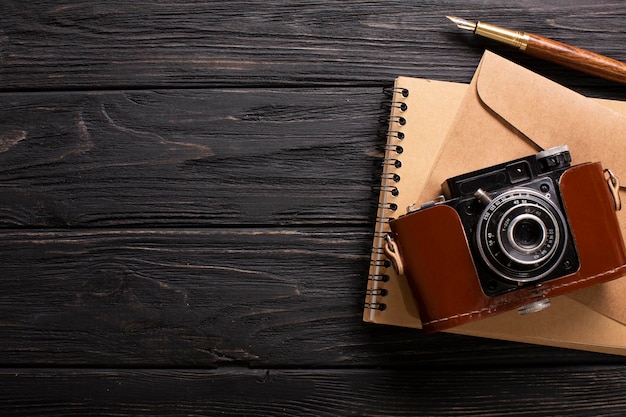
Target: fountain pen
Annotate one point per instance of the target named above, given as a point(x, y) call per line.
point(549, 50)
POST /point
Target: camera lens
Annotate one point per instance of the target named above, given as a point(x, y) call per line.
point(527, 233)
point(521, 235)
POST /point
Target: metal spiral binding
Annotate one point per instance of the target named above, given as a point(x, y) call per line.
point(388, 134)
point(377, 291)
point(378, 278)
point(376, 306)
point(388, 206)
point(394, 191)
point(393, 119)
point(393, 135)
point(391, 177)
point(388, 105)
point(398, 149)
point(380, 262)
point(392, 91)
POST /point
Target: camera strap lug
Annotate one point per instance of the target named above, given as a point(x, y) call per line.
point(392, 252)
point(413, 207)
point(613, 182)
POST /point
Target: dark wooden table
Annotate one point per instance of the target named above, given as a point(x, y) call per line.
point(187, 209)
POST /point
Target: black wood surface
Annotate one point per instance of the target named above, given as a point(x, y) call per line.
point(186, 210)
point(234, 391)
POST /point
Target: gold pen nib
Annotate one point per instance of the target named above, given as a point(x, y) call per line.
point(510, 37)
point(462, 23)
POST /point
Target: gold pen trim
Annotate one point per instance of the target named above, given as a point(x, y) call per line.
point(514, 38)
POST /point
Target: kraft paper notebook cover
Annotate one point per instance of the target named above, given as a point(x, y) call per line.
point(450, 128)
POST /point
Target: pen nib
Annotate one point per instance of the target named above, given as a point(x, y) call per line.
point(462, 23)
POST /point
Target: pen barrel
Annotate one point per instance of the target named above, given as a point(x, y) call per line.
point(576, 58)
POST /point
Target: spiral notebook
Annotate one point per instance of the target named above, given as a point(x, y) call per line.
point(423, 115)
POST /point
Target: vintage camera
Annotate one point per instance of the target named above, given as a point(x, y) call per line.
point(509, 236)
point(515, 221)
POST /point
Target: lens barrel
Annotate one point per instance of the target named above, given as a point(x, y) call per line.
point(521, 235)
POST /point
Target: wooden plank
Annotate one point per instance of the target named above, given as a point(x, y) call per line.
point(517, 392)
point(101, 44)
point(183, 297)
point(189, 157)
point(157, 224)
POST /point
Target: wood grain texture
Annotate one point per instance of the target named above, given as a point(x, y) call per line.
point(104, 44)
point(189, 158)
point(576, 58)
point(332, 392)
point(185, 210)
point(202, 297)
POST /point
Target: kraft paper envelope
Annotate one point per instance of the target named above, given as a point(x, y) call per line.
point(510, 112)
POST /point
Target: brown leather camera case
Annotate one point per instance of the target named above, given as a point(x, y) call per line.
point(439, 267)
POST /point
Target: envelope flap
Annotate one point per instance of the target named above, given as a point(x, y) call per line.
point(551, 115)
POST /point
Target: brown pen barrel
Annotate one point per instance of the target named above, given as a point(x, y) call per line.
point(576, 58)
